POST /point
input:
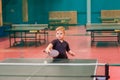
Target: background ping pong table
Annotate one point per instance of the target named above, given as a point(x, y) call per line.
point(24, 29)
point(46, 72)
point(103, 28)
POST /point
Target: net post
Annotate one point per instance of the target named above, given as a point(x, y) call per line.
point(107, 72)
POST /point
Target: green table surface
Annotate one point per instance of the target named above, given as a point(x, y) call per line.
point(46, 72)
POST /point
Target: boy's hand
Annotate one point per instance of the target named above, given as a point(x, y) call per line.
point(72, 54)
point(47, 51)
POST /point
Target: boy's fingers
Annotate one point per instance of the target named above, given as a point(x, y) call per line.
point(73, 54)
point(46, 51)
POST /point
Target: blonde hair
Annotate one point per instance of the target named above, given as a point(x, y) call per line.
point(60, 28)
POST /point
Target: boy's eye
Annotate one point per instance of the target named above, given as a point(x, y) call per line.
point(57, 33)
point(60, 33)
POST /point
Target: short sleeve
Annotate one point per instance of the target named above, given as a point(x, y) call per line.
point(67, 47)
point(54, 42)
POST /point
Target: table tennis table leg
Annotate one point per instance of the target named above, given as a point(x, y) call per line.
point(45, 36)
point(14, 36)
point(9, 39)
point(107, 72)
point(92, 37)
point(25, 39)
point(118, 37)
point(36, 39)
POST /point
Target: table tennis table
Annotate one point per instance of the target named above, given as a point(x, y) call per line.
point(54, 22)
point(47, 72)
point(24, 29)
point(103, 28)
point(110, 19)
point(59, 20)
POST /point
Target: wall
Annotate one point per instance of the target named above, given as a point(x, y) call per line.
point(38, 9)
point(98, 5)
point(12, 11)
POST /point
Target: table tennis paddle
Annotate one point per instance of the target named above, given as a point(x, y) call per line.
point(53, 53)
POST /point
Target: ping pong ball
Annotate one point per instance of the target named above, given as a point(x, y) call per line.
point(45, 62)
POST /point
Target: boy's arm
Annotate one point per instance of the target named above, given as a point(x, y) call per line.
point(49, 47)
point(71, 53)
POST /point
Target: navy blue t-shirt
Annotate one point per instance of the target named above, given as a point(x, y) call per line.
point(62, 47)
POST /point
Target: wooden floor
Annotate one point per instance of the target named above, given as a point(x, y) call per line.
point(80, 43)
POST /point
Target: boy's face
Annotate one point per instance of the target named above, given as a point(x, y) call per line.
point(60, 35)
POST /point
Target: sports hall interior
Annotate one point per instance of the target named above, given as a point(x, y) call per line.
point(75, 16)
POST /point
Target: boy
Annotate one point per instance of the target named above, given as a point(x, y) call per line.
point(60, 44)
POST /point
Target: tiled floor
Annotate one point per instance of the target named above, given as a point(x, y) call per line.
point(79, 41)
